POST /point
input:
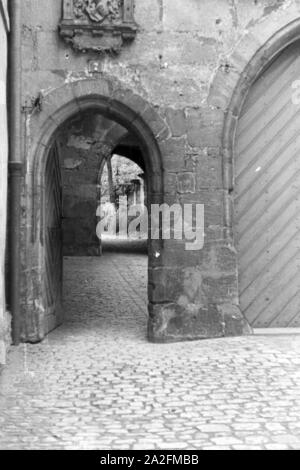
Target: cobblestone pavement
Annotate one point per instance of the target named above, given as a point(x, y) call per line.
point(96, 383)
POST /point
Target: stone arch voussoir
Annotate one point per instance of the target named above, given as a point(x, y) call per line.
point(257, 47)
point(117, 103)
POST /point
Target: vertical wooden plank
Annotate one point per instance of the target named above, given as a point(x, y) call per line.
point(53, 240)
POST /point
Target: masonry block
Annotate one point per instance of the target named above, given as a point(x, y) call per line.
point(130, 99)
point(177, 121)
point(186, 183)
point(164, 284)
point(205, 127)
point(171, 322)
point(208, 168)
point(220, 287)
point(173, 152)
point(170, 183)
point(156, 123)
point(91, 86)
point(213, 202)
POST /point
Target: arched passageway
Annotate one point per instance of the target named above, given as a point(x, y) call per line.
point(83, 176)
point(123, 202)
point(65, 194)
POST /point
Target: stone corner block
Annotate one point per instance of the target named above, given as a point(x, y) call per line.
point(235, 324)
point(173, 322)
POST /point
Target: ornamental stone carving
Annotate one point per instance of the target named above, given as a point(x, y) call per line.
point(98, 25)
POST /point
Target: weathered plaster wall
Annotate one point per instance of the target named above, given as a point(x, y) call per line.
point(178, 49)
point(184, 64)
point(4, 317)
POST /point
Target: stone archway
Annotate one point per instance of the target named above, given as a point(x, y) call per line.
point(59, 106)
point(266, 194)
point(233, 82)
point(234, 79)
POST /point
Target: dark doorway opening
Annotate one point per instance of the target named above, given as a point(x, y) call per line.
point(93, 161)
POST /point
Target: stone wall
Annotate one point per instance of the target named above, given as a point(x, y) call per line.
point(83, 144)
point(179, 76)
point(4, 316)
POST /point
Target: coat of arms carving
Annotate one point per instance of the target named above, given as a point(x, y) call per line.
point(98, 25)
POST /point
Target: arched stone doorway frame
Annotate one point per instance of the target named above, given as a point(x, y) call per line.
point(115, 103)
point(233, 82)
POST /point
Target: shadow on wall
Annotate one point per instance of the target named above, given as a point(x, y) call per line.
point(117, 245)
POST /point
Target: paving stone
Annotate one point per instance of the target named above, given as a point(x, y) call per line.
point(213, 428)
point(97, 383)
point(276, 447)
point(246, 426)
point(224, 441)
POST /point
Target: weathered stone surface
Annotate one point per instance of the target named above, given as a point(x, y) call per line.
point(84, 144)
point(165, 284)
point(174, 150)
point(171, 322)
point(105, 386)
point(176, 80)
point(205, 127)
point(156, 123)
point(186, 183)
point(219, 257)
point(170, 183)
point(235, 323)
point(193, 306)
point(213, 202)
point(220, 287)
point(177, 121)
point(208, 167)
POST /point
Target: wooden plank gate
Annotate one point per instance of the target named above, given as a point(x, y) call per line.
point(267, 190)
point(53, 241)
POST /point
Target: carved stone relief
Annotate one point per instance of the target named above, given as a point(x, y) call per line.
point(98, 25)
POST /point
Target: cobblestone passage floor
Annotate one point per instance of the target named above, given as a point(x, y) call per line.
point(96, 383)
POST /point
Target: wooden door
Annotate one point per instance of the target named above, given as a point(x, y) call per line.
point(53, 241)
point(267, 190)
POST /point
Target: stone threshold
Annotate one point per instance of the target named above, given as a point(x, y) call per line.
point(276, 331)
